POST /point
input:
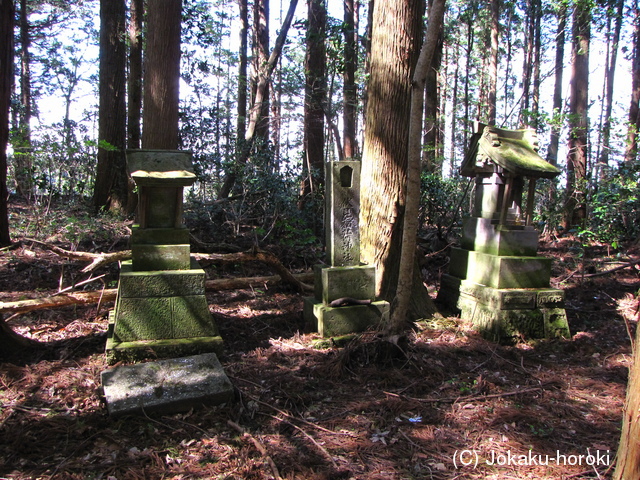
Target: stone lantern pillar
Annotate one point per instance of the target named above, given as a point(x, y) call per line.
point(161, 309)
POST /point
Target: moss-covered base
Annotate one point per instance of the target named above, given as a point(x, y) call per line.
point(331, 322)
point(131, 352)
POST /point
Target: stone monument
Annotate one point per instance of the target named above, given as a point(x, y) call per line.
point(496, 280)
point(161, 309)
point(344, 299)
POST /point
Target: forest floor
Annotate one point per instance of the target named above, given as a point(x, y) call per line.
point(441, 404)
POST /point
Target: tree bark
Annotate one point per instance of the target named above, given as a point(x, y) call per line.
point(410, 226)
point(493, 61)
point(395, 45)
point(6, 81)
point(628, 463)
point(432, 161)
point(110, 189)
point(350, 91)
point(314, 98)
point(554, 142)
point(134, 80)
point(162, 75)
point(631, 152)
point(575, 208)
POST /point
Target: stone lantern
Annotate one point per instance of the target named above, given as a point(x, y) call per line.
point(496, 280)
point(161, 309)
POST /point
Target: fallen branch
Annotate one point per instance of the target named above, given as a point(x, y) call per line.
point(259, 446)
point(467, 398)
point(612, 270)
point(97, 259)
point(109, 294)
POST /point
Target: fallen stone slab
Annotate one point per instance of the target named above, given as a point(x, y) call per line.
point(167, 386)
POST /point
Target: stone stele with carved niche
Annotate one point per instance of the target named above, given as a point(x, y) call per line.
point(161, 309)
point(496, 280)
point(344, 299)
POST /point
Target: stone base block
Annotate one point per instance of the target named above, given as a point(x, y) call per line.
point(332, 283)
point(503, 315)
point(159, 236)
point(344, 320)
point(135, 350)
point(484, 235)
point(166, 386)
point(163, 283)
point(160, 257)
point(500, 272)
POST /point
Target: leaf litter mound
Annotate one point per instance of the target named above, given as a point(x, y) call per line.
point(437, 403)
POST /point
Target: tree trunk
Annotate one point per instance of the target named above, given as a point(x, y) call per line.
point(134, 84)
point(631, 152)
point(527, 66)
point(554, 142)
point(256, 110)
point(110, 189)
point(6, 81)
point(22, 158)
point(432, 161)
point(410, 226)
point(575, 208)
point(537, 51)
point(628, 464)
point(493, 61)
point(314, 99)
point(350, 91)
point(260, 59)
point(162, 75)
point(395, 43)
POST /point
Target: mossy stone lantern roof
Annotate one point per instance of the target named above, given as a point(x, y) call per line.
point(159, 168)
point(513, 151)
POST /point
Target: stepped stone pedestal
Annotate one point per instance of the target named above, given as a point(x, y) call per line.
point(161, 308)
point(496, 280)
point(344, 298)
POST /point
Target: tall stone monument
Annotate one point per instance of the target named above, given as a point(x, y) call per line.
point(496, 280)
point(344, 300)
point(161, 309)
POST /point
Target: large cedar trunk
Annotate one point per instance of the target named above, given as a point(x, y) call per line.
point(631, 152)
point(162, 75)
point(6, 79)
point(350, 93)
point(395, 45)
point(110, 190)
point(575, 208)
point(314, 98)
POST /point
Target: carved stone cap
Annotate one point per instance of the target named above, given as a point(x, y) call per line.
point(494, 149)
point(161, 168)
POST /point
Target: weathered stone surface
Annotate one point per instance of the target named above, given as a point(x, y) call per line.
point(500, 272)
point(485, 235)
point(161, 167)
point(332, 283)
point(167, 386)
point(342, 212)
point(159, 236)
point(343, 320)
point(156, 318)
point(160, 257)
point(161, 283)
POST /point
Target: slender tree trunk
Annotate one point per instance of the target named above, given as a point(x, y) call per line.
point(527, 66)
point(575, 207)
point(6, 82)
point(260, 59)
point(110, 189)
point(22, 159)
point(242, 74)
point(631, 152)
point(454, 113)
point(537, 52)
point(162, 75)
point(350, 92)
point(134, 81)
point(554, 142)
point(315, 93)
point(609, 78)
point(410, 227)
point(493, 61)
point(256, 110)
point(432, 139)
point(467, 80)
point(395, 43)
